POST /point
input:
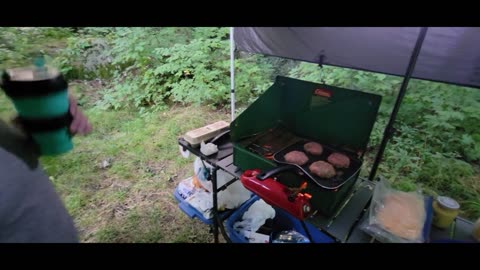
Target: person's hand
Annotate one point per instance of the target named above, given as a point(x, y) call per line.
point(80, 124)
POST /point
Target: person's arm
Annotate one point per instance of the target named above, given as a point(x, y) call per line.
point(30, 209)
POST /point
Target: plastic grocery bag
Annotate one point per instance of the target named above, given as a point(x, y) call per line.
point(290, 236)
point(202, 201)
point(396, 216)
point(231, 197)
point(255, 217)
point(203, 171)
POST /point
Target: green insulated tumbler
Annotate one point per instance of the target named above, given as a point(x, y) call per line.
point(40, 96)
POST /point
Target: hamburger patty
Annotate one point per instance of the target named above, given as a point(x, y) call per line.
point(313, 148)
point(339, 160)
point(322, 169)
point(296, 157)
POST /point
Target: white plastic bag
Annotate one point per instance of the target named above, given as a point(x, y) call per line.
point(202, 201)
point(234, 195)
point(256, 215)
point(186, 188)
point(231, 197)
point(203, 170)
point(396, 216)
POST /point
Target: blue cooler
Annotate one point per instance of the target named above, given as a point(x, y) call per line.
point(282, 219)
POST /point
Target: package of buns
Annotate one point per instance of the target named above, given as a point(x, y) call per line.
point(396, 216)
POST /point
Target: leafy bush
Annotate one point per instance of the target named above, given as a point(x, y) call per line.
point(19, 45)
point(447, 116)
point(148, 67)
point(87, 55)
point(192, 68)
point(14, 47)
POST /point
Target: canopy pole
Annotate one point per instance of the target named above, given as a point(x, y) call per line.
point(389, 129)
point(232, 73)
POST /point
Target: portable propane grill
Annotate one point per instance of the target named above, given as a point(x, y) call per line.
point(289, 114)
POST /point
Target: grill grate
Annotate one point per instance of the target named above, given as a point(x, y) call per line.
point(274, 143)
point(267, 143)
point(342, 176)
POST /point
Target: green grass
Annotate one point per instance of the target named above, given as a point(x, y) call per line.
point(130, 201)
point(133, 196)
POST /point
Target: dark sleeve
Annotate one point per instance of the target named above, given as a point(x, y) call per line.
point(30, 209)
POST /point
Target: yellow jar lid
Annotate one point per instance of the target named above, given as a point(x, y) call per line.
point(448, 203)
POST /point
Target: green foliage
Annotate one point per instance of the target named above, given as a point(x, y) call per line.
point(14, 46)
point(185, 65)
point(55, 33)
point(87, 55)
point(445, 174)
point(134, 46)
point(18, 45)
point(448, 115)
point(148, 68)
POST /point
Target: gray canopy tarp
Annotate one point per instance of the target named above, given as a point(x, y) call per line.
point(449, 54)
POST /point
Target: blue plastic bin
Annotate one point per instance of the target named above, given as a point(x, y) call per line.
point(281, 216)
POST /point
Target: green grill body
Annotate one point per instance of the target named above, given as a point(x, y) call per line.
point(330, 115)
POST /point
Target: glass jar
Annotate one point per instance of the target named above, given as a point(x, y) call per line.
point(445, 211)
